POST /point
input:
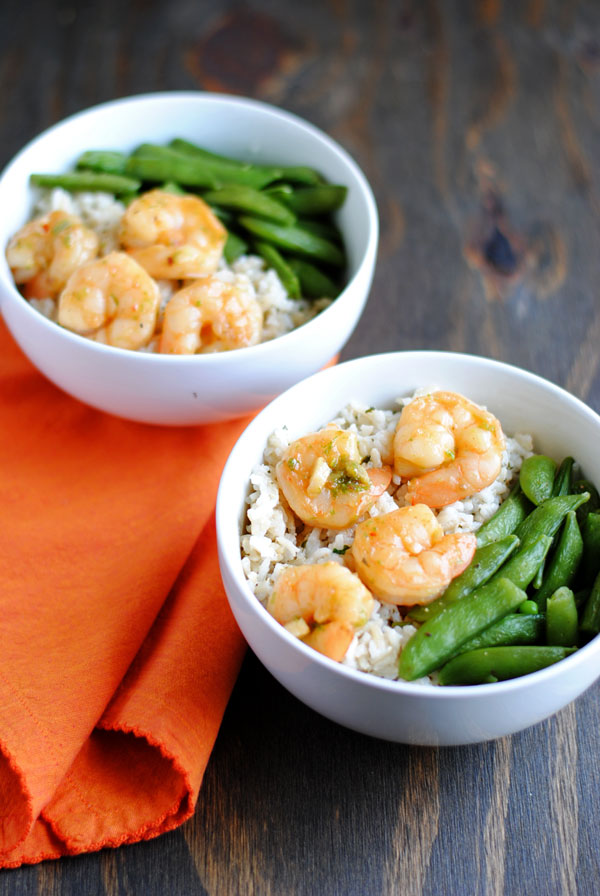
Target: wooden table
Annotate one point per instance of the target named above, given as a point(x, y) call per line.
point(478, 126)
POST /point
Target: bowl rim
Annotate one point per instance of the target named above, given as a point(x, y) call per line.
point(366, 260)
point(225, 506)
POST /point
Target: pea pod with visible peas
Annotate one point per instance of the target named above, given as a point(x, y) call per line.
point(492, 664)
point(440, 638)
point(565, 561)
point(486, 561)
point(536, 477)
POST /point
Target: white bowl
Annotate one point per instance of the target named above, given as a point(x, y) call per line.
point(402, 711)
point(201, 388)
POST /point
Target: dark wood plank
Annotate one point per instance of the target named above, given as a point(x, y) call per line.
point(477, 125)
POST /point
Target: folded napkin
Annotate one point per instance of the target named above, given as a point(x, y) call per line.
point(118, 651)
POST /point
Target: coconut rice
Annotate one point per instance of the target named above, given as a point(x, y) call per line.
point(274, 537)
point(102, 213)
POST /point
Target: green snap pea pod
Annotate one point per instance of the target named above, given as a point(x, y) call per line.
point(321, 227)
point(486, 561)
point(591, 506)
point(539, 576)
point(590, 618)
point(546, 518)
point(234, 247)
point(581, 596)
point(515, 628)
point(107, 160)
point(562, 567)
point(492, 664)
point(562, 481)
point(525, 562)
point(275, 259)
point(507, 518)
point(294, 239)
point(249, 200)
point(561, 618)
point(186, 147)
point(278, 191)
point(95, 181)
point(536, 477)
point(159, 164)
point(318, 200)
point(590, 561)
point(314, 283)
point(296, 173)
point(440, 638)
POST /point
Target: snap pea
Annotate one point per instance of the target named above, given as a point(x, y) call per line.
point(514, 628)
point(590, 618)
point(440, 638)
point(507, 518)
point(562, 480)
point(247, 199)
point(486, 561)
point(234, 247)
point(584, 485)
point(522, 566)
point(294, 239)
point(275, 259)
point(546, 518)
point(322, 227)
point(314, 283)
point(95, 181)
point(536, 477)
point(564, 563)
point(160, 163)
point(561, 618)
point(318, 200)
point(493, 664)
point(106, 160)
point(297, 173)
point(590, 561)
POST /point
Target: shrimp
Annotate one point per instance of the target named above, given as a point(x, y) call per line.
point(172, 237)
point(447, 447)
point(217, 312)
point(325, 482)
point(112, 300)
point(404, 558)
point(322, 604)
point(43, 254)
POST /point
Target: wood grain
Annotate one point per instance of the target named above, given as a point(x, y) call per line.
point(478, 126)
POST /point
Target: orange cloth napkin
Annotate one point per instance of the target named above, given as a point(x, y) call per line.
point(118, 651)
